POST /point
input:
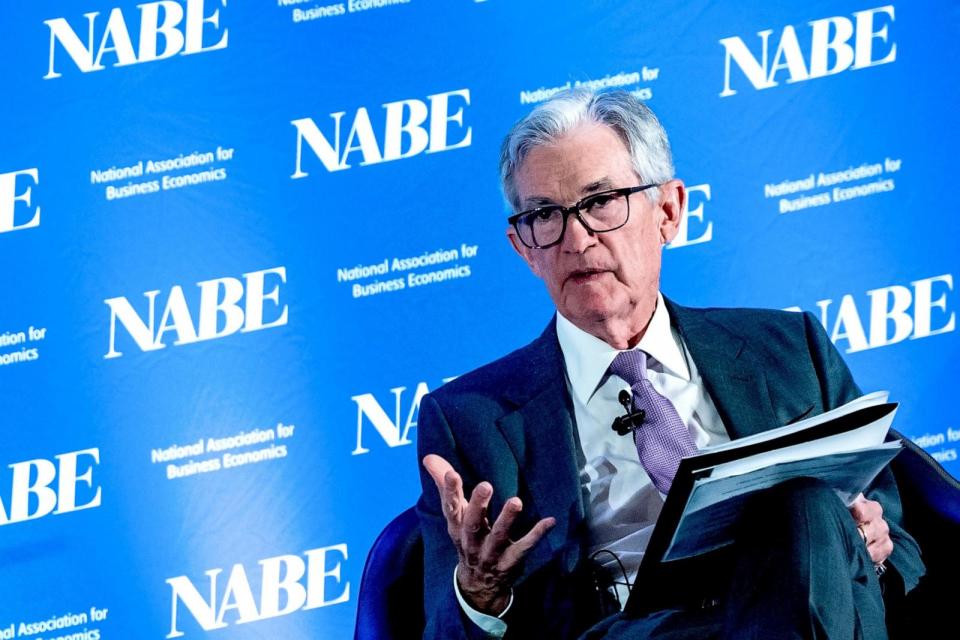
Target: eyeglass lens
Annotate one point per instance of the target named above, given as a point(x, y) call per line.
point(600, 212)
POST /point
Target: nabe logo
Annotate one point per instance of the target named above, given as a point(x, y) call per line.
point(829, 38)
point(410, 127)
point(167, 28)
point(281, 590)
point(219, 298)
point(36, 478)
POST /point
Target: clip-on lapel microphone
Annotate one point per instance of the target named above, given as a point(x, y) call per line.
point(632, 420)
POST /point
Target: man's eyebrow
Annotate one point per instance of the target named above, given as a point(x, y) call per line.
point(603, 184)
point(534, 202)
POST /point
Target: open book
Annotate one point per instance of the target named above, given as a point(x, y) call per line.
point(844, 447)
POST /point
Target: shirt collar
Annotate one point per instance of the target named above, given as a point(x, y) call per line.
point(587, 357)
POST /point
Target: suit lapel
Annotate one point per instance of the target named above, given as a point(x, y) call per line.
point(542, 437)
point(735, 382)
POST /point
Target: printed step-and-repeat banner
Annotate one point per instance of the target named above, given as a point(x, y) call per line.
point(241, 240)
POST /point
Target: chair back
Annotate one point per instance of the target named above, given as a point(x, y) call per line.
point(390, 602)
point(931, 514)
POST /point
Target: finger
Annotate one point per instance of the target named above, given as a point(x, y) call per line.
point(880, 550)
point(876, 531)
point(450, 487)
point(499, 538)
point(866, 511)
point(474, 518)
point(858, 512)
point(515, 552)
point(454, 503)
point(437, 467)
point(474, 522)
point(883, 528)
point(880, 546)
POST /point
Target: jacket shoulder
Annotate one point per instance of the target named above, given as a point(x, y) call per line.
point(773, 327)
point(513, 372)
point(749, 322)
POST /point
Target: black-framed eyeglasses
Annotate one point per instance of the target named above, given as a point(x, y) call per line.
point(599, 212)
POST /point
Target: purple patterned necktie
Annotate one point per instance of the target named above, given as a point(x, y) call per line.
point(663, 438)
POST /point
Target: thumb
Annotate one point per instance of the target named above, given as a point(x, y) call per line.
point(437, 467)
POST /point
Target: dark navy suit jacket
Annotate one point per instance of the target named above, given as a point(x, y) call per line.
point(512, 423)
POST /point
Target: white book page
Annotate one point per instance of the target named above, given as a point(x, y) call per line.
point(867, 400)
point(870, 435)
point(716, 503)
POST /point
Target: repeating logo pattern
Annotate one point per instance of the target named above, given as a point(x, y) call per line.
point(241, 242)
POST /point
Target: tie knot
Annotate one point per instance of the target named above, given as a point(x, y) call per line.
point(630, 365)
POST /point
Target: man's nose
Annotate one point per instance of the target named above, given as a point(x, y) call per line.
point(577, 238)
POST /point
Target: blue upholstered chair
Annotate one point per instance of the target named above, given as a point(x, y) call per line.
point(931, 513)
point(390, 601)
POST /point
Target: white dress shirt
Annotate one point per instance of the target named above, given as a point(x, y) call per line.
point(624, 503)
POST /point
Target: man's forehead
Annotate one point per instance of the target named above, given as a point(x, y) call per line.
point(589, 158)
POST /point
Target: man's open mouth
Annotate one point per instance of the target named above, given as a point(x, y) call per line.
point(586, 275)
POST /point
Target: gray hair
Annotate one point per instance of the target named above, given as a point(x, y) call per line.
point(632, 120)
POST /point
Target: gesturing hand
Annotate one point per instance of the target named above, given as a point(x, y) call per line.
point(488, 559)
point(874, 530)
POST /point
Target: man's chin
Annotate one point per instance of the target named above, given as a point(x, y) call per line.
point(595, 305)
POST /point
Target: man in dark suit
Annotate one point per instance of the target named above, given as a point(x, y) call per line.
point(533, 509)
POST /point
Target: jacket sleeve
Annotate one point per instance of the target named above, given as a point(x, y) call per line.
point(444, 617)
point(838, 387)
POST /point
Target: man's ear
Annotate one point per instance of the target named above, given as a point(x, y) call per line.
point(523, 251)
point(673, 203)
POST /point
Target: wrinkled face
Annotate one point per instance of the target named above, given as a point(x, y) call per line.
point(595, 277)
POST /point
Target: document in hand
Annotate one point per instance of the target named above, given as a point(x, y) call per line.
point(844, 447)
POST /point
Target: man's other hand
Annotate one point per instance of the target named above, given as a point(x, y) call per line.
point(488, 559)
point(868, 514)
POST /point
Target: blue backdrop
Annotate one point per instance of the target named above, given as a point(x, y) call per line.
point(240, 240)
